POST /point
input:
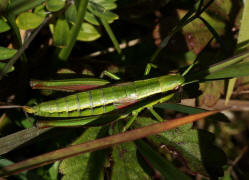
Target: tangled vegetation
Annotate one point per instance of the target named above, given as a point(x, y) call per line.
point(115, 89)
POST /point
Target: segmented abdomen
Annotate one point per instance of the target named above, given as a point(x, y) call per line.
point(98, 101)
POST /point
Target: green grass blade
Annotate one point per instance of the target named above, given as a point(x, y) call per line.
point(111, 35)
point(190, 110)
point(230, 88)
point(180, 108)
point(208, 73)
point(243, 37)
point(237, 70)
point(12, 141)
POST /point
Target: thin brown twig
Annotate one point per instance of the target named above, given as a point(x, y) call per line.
point(236, 105)
point(237, 159)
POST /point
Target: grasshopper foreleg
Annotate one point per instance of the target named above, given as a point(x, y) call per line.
point(148, 68)
point(110, 75)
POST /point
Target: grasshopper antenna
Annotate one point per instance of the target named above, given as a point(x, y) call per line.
point(188, 69)
point(11, 107)
point(196, 59)
point(25, 108)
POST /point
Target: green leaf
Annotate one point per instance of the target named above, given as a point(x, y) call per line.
point(2, 66)
point(40, 10)
point(91, 18)
point(109, 16)
point(227, 176)
point(71, 14)
point(55, 5)
point(53, 170)
point(86, 166)
point(125, 160)
point(88, 33)
point(3, 26)
point(61, 32)
point(5, 162)
point(107, 4)
point(126, 164)
point(101, 12)
point(6, 53)
point(220, 9)
point(167, 169)
point(28, 20)
point(194, 147)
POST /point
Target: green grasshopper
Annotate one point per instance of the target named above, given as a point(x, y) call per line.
point(105, 99)
point(84, 107)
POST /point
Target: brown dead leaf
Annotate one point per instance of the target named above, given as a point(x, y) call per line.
point(211, 93)
point(197, 34)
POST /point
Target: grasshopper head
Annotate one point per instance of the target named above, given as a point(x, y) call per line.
point(28, 109)
point(171, 82)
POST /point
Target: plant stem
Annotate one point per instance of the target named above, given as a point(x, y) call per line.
point(111, 35)
point(65, 52)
